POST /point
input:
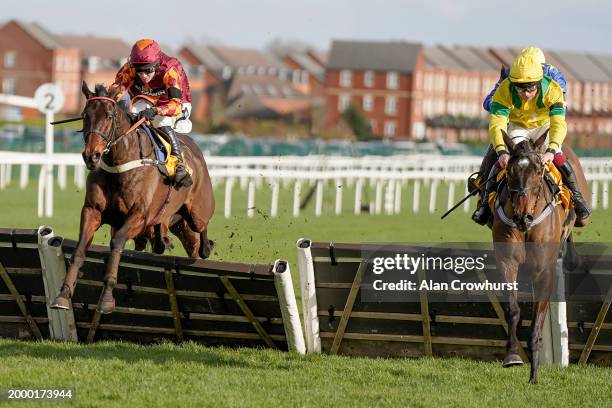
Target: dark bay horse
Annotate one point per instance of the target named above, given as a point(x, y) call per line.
point(138, 203)
point(529, 228)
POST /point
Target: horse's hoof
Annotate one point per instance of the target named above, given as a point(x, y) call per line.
point(533, 380)
point(206, 249)
point(140, 243)
point(512, 360)
point(106, 307)
point(60, 303)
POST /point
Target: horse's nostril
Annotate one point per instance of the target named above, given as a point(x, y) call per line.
point(529, 218)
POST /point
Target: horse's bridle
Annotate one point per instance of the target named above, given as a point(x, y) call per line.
point(110, 138)
point(522, 191)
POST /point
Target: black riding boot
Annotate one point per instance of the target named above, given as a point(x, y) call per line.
point(569, 179)
point(483, 212)
point(181, 175)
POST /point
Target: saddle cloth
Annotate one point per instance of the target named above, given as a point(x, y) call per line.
point(564, 197)
point(162, 152)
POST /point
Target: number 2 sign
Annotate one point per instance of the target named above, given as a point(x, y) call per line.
point(49, 98)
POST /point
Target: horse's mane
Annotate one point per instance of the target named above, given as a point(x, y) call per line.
point(101, 90)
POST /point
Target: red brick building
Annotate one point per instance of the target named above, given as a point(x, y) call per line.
point(246, 84)
point(456, 80)
point(30, 57)
point(383, 79)
point(101, 58)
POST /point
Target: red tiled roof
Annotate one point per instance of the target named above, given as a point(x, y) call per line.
point(242, 57)
point(103, 47)
point(285, 106)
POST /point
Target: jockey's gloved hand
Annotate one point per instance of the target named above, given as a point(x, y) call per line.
point(148, 114)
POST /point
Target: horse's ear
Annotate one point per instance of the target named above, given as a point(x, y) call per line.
point(86, 91)
point(537, 145)
point(509, 143)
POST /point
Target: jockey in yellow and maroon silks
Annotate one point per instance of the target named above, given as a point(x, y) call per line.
point(529, 104)
point(151, 73)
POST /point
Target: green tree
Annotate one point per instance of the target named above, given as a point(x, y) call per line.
point(358, 123)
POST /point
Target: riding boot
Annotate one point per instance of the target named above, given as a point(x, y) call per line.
point(483, 212)
point(569, 179)
point(181, 175)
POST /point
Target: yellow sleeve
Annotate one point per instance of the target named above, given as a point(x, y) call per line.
point(499, 113)
point(558, 126)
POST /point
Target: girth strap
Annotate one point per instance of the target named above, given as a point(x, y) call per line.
point(134, 164)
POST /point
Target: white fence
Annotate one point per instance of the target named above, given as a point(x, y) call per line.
point(388, 177)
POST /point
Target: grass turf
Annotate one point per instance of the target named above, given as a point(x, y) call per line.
point(121, 374)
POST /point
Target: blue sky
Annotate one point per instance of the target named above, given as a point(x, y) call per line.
point(584, 25)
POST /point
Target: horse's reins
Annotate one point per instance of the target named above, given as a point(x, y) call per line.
point(545, 212)
point(111, 139)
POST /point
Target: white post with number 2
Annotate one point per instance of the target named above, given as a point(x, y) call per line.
point(49, 100)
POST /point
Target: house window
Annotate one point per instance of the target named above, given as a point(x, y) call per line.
point(343, 102)
point(346, 78)
point(257, 89)
point(272, 90)
point(245, 89)
point(9, 59)
point(373, 125)
point(368, 79)
point(226, 72)
point(93, 64)
point(390, 105)
point(368, 103)
point(8, 86)
point(286, 91)
point(392, 80)
point(390, 128)
point(295, 76)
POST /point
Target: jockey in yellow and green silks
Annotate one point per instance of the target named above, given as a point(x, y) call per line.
point(528, 104)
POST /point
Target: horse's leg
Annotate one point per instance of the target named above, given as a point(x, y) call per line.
point(199, 224)
point(543, 285)
point(161, 241)
point(90, 222)
point(132, 227)
point(508, 266)
point(206, 245)
point(513, 317)
point(189, 239)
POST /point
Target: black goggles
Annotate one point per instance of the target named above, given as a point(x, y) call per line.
point(146, 68)
point(526, 85)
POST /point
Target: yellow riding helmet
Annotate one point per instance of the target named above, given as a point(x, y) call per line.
point(526, 68)
point(536, 52)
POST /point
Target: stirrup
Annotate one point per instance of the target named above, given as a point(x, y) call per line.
point(182, 178)
point(481, 215)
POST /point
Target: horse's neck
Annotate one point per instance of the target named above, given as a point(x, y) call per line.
point(128, 148)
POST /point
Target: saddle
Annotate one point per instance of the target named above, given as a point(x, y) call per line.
point(166, 163)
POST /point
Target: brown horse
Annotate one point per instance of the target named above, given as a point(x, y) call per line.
point(528, 230)
point(138, 203)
